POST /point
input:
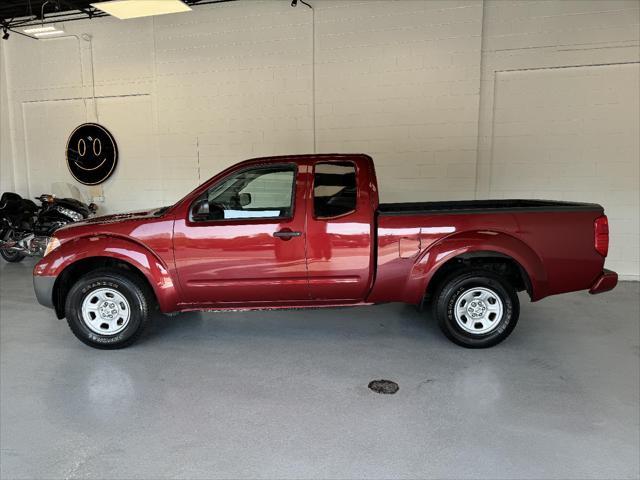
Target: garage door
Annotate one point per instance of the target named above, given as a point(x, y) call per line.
point(573, 134)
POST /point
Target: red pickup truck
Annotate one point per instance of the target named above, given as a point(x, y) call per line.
point(308, 231)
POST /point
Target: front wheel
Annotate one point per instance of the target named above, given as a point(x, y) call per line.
point(108, 309)
point(11, 256)
point(476, 308)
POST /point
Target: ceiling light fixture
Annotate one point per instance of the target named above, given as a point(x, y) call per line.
point(48, 33)
point(32, 30)
point(43, 31)
point(125, 9)
point(5, 34)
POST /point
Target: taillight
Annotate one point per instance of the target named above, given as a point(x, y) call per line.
point(601, 235)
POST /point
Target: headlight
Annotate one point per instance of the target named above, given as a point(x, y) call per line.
point(52, 244)
point(70, 213)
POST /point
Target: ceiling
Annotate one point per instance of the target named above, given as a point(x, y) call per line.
point(22, 13)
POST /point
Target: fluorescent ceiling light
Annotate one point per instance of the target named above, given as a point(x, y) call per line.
point(43, 31)
point(48, 33)
point(48, 28)
point(124, 9)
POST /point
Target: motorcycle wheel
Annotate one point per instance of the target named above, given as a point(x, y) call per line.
point(11, 256)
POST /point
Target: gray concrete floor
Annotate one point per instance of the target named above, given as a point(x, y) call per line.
point(284, 395)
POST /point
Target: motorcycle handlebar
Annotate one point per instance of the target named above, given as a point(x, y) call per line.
point(46, 198)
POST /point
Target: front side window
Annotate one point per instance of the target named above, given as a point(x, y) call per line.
point(334, 189)
point(261, 192)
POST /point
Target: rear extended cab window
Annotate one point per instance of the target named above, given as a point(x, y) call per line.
point(334, 189)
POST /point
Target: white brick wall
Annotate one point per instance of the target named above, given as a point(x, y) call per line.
point(411, 82)
point(184, 95)
point(400, 81)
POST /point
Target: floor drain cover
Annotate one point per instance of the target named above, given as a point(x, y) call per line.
point(384, 386)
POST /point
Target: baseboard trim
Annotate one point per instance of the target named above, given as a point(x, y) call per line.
point(629, 278)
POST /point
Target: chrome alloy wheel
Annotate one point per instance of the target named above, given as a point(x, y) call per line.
point(478, 310)
point(105, 311)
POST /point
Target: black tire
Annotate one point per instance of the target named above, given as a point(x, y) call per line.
point(135, 291)
point(10, 256)
point(458, 284)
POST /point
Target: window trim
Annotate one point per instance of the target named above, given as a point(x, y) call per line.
point(313, 187)
point(222, 221)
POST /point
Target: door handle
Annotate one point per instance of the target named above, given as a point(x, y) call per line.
point(286, 234)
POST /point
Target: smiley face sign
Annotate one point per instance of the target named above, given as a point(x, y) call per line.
point(92, 154)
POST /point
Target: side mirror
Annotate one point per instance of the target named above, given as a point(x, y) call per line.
point(244, 199)
point(200, 210)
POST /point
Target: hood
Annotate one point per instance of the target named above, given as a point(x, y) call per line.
point(117, 218)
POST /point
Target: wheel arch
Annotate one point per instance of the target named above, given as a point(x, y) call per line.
point(72, 272)
point(496, 262)
point(82, 255)
point(484, 249)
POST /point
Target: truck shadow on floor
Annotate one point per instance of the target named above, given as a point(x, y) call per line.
point(378, 321)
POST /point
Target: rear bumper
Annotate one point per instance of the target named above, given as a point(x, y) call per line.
point(43, 286)
point(605, 282)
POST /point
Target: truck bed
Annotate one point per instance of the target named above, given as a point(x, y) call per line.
point(555, 236)
point(482, 206)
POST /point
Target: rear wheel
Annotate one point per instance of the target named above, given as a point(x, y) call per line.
point(476, 308)
point(11, 256)
point(108, 309)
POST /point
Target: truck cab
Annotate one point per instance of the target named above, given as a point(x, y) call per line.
point(288, 230)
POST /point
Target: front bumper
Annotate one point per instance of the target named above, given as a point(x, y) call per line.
point(605, 282)
point(43, 286)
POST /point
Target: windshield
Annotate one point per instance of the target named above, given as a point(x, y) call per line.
point(67, 190)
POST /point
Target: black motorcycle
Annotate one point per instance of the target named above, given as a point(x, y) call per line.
point(26, 227)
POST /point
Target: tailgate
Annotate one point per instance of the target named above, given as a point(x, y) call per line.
point(565, 242)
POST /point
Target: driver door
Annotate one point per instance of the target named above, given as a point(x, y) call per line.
point(244, 241)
